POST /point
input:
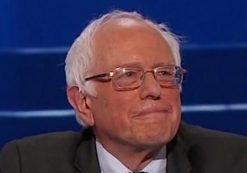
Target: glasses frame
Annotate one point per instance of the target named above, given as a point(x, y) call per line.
point(107, 77)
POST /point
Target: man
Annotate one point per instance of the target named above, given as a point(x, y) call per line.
point(124, 81)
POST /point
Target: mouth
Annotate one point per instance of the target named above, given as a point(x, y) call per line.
point(152, 111)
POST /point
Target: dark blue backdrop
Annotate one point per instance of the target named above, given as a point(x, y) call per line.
point(45, 23)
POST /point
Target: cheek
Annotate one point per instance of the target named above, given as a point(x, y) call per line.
point(111, 108)
point(176, 106)
point(119, 107)
point(172, 96)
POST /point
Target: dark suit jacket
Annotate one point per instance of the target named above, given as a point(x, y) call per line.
point(193, 150)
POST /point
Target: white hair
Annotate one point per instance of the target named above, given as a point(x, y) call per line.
point(79, 59)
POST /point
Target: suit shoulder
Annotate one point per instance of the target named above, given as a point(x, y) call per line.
point(55, 136)
point(197, 134)
point(213, 150)
point(44, 152)
point(54, 142)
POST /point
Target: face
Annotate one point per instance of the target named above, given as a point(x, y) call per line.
point(144, 117)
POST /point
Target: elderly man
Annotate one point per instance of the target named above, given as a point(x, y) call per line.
point(124, 80)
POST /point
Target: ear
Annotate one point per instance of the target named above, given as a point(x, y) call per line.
point(78, 101)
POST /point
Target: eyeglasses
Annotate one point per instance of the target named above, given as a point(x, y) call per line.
point(127, 78)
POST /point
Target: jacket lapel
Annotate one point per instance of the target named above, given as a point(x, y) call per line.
point(86, 156)
point(177, 157)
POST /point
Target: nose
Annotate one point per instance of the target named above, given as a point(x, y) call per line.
point(150, 88)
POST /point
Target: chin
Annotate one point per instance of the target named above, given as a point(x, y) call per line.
point(155, 139)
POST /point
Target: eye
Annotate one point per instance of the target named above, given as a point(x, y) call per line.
point(129, 73)
point(127, 78)
point(165, 73)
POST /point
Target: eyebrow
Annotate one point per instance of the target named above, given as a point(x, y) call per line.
point(130, 64)
point(162, 64)
point(138, 64)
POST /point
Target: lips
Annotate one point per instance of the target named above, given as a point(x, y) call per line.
point(151, 109)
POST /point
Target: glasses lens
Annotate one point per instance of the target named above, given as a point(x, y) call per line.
point(169, 76)
point(126, 78)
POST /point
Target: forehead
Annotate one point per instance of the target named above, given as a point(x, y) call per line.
point(129, 41)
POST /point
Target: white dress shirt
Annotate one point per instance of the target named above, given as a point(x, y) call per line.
point(110, 164)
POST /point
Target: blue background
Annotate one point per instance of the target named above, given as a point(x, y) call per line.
point(46, 23)
point(35, 36)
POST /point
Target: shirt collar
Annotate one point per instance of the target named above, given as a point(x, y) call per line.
point(109, 164)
